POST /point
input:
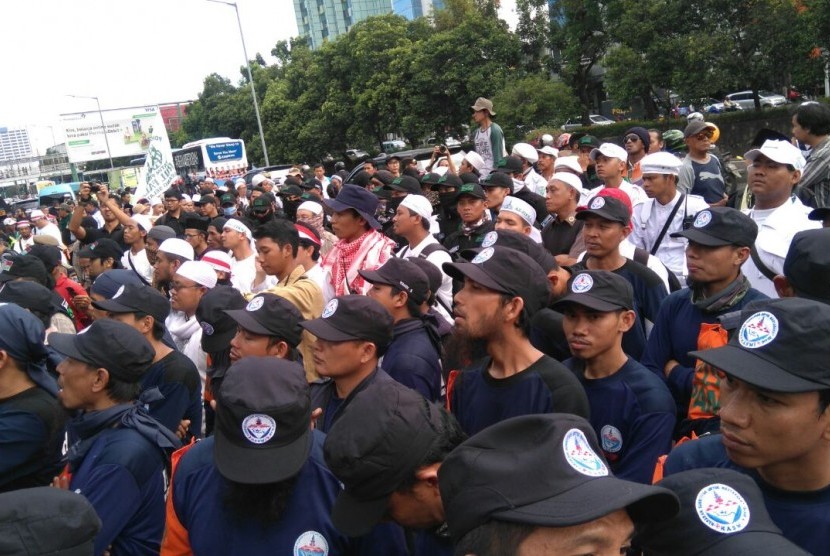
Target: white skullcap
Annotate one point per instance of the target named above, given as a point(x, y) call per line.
point(517, 206)
point(418, 204)
point(200, 272)
point(314, 208)
point(238, 226)
point(570, 179)
point(258, 179)
point(474, 160)
point(526, 151)
point(178, 247)
point(35, 214)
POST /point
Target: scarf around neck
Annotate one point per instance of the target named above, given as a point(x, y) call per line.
point(730, 296)
point(346, 256)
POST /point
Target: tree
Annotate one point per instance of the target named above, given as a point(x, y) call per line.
point(533, 101)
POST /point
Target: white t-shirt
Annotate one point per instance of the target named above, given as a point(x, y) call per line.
point(243, 273)
point(140, 264)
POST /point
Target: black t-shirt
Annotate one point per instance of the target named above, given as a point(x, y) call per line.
point(178, 380)
point(94, 234)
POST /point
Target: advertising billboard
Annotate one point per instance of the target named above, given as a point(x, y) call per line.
point(128, 132)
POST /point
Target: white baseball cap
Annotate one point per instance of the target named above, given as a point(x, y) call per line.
point(474, 159)
point(517, 206)
point(570, 179)
point(782, 152)
point(660, 163)
point(570, 162)
point(418, 204)
point(200, 272)
point(178, 247)
point(611, 151)
point(547, 149)
point(526, 151)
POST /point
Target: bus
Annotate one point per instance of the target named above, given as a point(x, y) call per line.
point(217, 157)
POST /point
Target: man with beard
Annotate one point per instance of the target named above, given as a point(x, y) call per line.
point(171, 255)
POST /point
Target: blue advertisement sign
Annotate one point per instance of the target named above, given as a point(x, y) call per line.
point(220, 152)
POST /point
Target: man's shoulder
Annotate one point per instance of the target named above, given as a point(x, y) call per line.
point(707, 451)
point(195, 459)
point(651, 391)
point(641, 272)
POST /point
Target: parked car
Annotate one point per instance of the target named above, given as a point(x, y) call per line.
point(394, 146)
point(596, 119)
point(768, 99)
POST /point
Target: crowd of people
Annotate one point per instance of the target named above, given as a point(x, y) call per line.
point(572, 347)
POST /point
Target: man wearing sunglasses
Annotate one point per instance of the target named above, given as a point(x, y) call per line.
point(636, 142)
point(701, 173)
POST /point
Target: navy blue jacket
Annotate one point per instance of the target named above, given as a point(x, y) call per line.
point(803, 517)
point(178, 380)
point(632, 412)
point(413, 358)
point(197, 501)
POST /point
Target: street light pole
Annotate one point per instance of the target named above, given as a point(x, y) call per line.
point(250, 77)
point(103, 127)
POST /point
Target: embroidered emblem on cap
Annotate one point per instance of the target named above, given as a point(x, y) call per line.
point(597, 203)
point(483, 256)
point(582, 283)
point(311, 543)
point(118, 293)
point(490, 239)
point(702, 219)
point(330, 309)
point(758, 330)
point(722, 509)
point(255, 304)
point(611, 439)
point(580, 456)
point(259, 428)
point(467, 187)
point(207, 328)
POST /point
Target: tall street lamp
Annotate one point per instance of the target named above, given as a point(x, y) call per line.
point(103, 127)
point(250, 77)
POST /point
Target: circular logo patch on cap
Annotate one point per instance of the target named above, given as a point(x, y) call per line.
point(702, 219)
point(758, 330)
point(330, 309)
point(255, 304)
point(580, 456)
point(259, 428)
point(722, 509)
point(597, 203)
point(582, 283)
point(311, 543)
point(490, 239)
point(483, 256)
point(207, 328)
point(611, 439)
point(119, 292)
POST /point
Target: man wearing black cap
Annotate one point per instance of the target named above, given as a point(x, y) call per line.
point(32, 419)
point(268, 326)
point(607, 225)
point(775, 421)
point(386, 449)
point(632, 410)
point(352, 335)
point(413, 357)
point(719, 241)
point(260, 484)
point(117, 453)
point(196, 234)
point(806, 267)
point(207, 206)
point(471, 205)
point(176, 377)
point(262, 208)
point(497, 186)
point(537, 485)
point(99, 256)
point(503, 289)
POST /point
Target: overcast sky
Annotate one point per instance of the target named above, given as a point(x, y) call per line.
point(126, 52)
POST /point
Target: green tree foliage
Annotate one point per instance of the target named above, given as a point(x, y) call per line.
point(533, 101)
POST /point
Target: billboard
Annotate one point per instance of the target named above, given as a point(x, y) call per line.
point(128, 131)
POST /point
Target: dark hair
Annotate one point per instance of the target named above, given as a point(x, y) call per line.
point(523, 322)
point(823, 400)
point(280, 231)
point(425, 223)
point(448, 436)
point(260, 503)
point(318, 165)
point(315, 254)
point(414, 309)
point(494, 538)
point(814, 117)
point(120, 391)
point(158, 326)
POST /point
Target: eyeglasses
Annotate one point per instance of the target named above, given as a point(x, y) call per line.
point(177, 286)
point(192, 235)
point(703, 136)
point(631, 138)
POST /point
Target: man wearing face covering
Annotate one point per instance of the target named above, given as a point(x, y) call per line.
point(31, 418)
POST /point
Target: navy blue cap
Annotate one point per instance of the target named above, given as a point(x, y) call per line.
point(109, 282)
point(218, 329)
point(136, 299)
point(21, 335)
point(358, 199)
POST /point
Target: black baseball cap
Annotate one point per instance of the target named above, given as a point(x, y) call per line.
point(607, 208)
point(719, 226)
point(401, 274)
point(448, 180)
point(432, 272)
point(497, 179)
point(509, 164)
point(404, 183)
point(779, 347)
point(268, 314)
point(430, 178)
point(599, 290)
point(543, 470)
point(807, 265)
point(263, 417)
point(722, 511)
point(468, 177)
point(218, 329)
point(23, 266)
point(378, 442)
point(519, 242)
point(31, 296)
point(353, 317)
point(508, 271)
point(103, 248)
point(290, 190)
point(471, 189)
point(117, 347)
point(227, 200)
point(136, 299)
point(50, 255)
point(819, 214)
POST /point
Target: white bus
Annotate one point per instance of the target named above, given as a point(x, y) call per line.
point(216, 157)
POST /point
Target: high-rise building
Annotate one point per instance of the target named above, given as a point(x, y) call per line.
point(14, 144)
point(411, 9)
point(323, 20)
